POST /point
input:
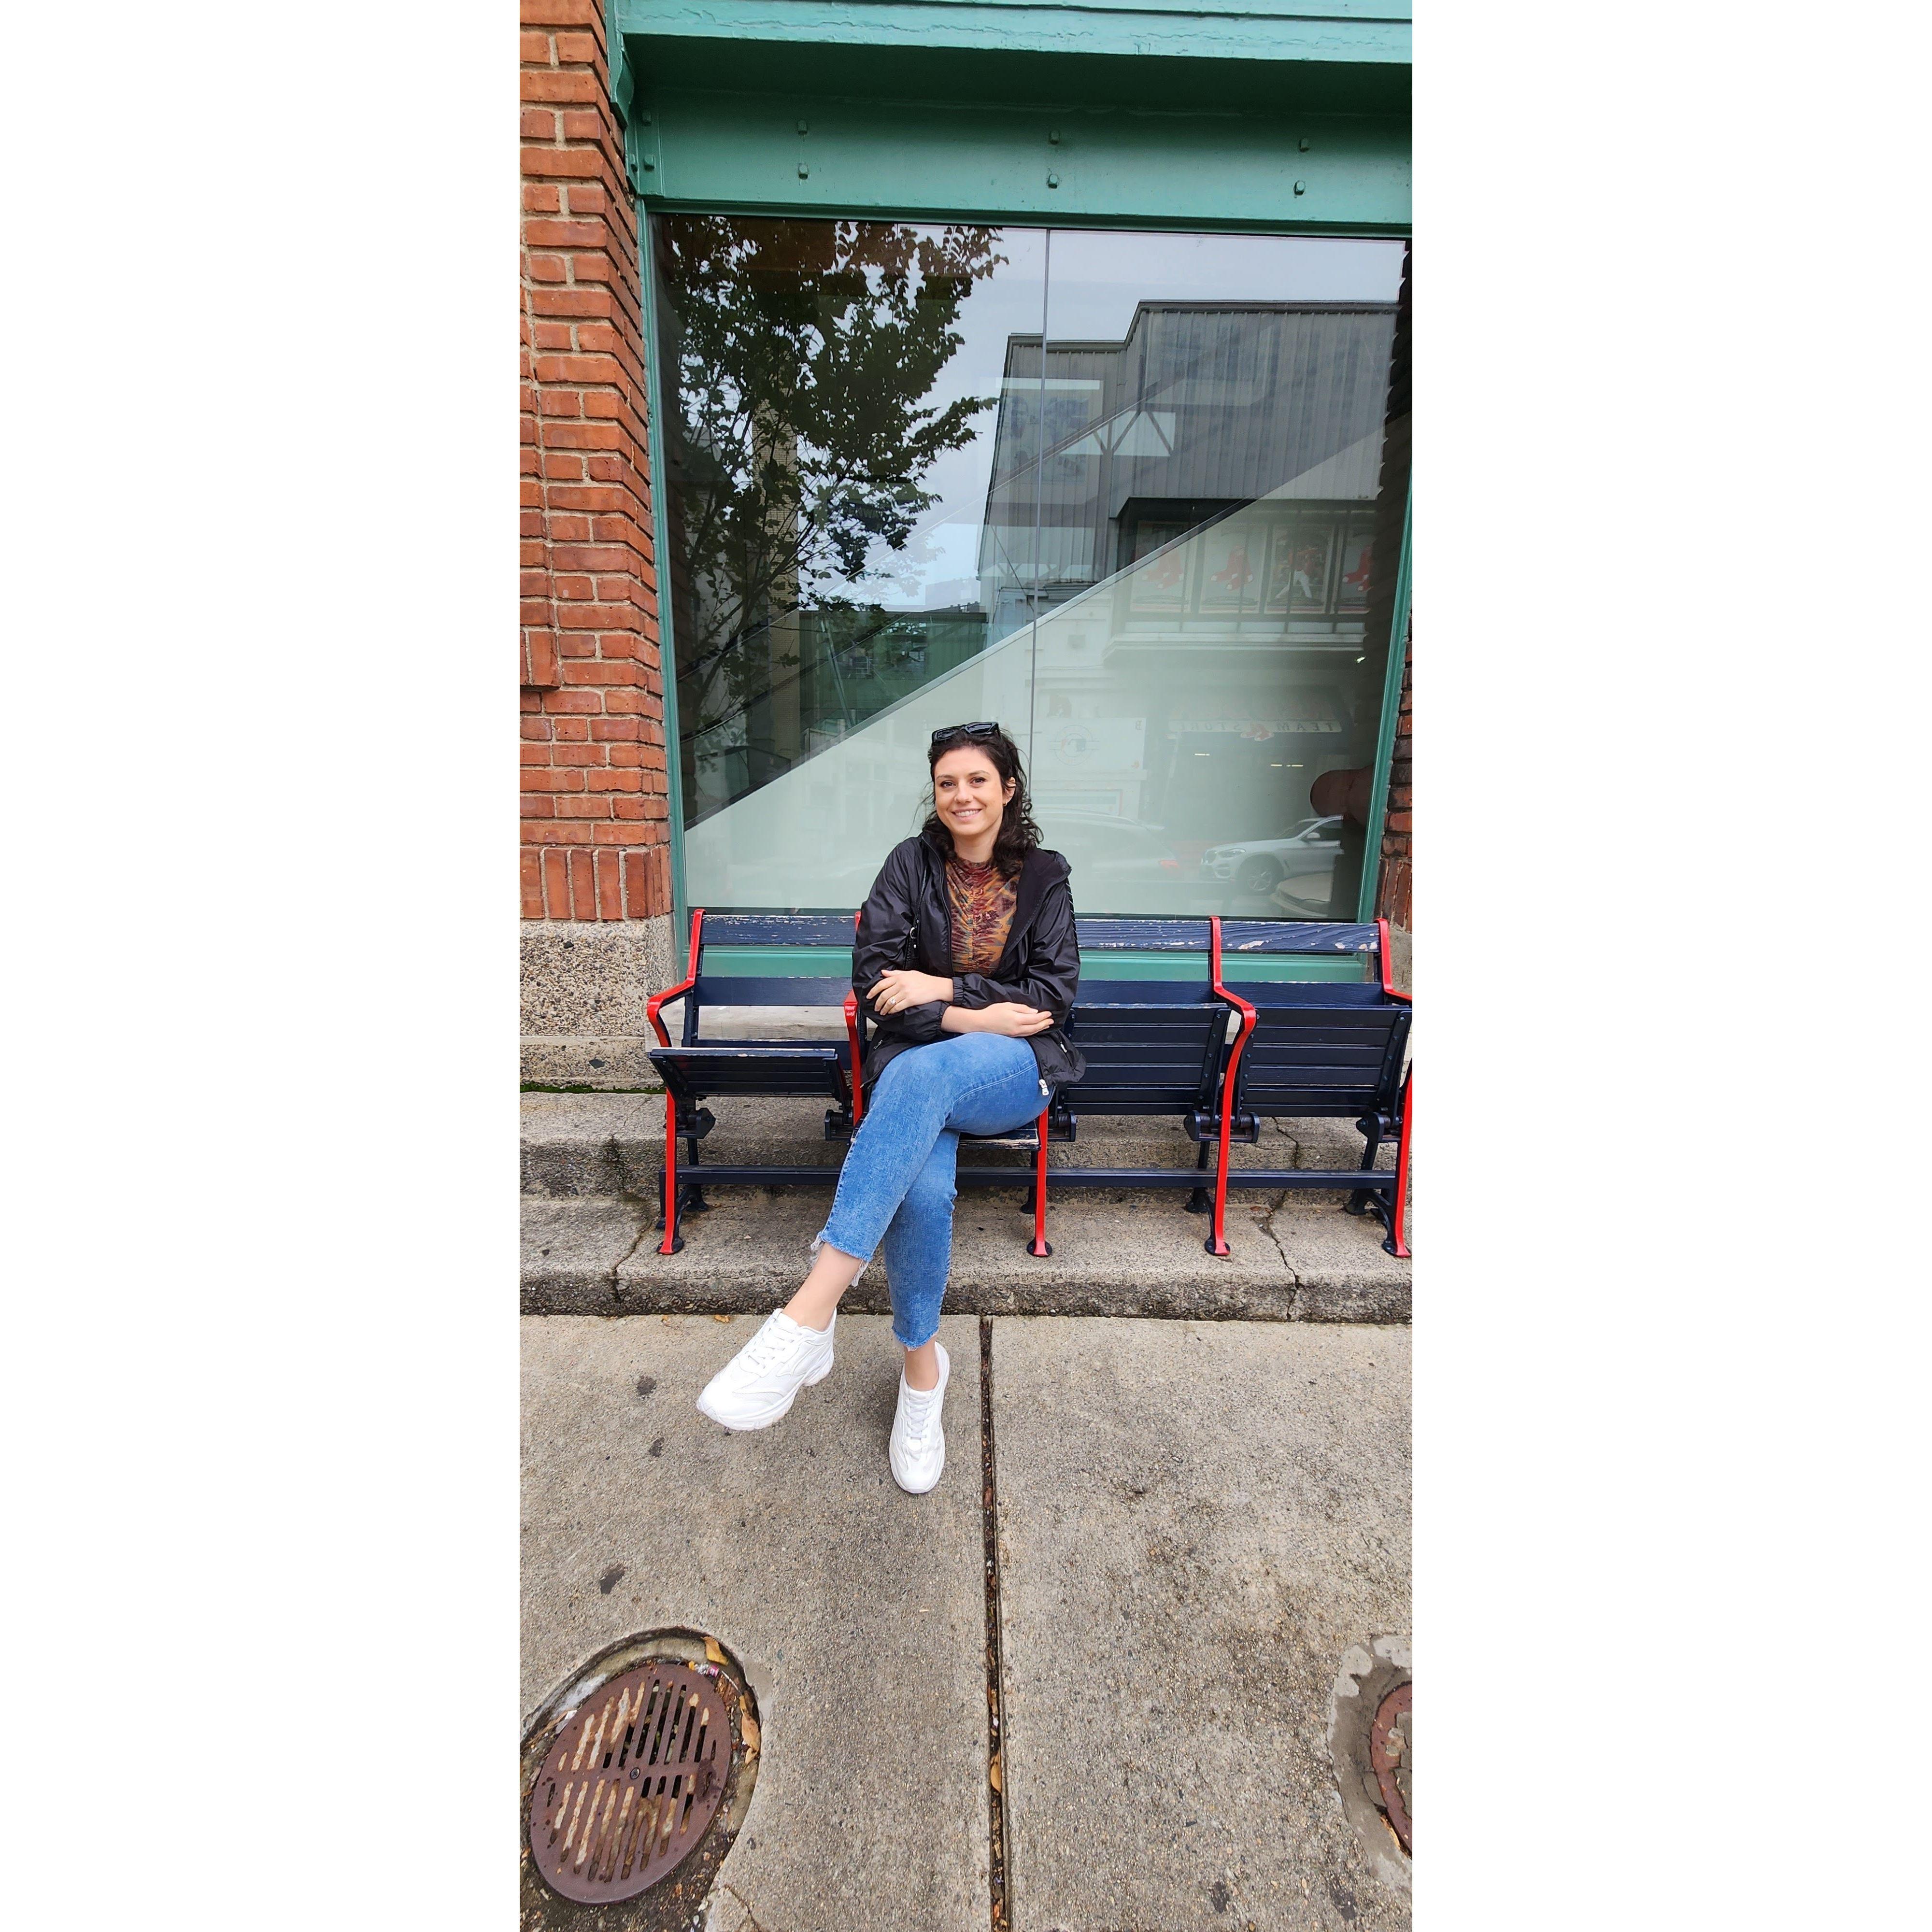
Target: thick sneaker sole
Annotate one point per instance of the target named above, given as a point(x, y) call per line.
point(739, 1426)
point(921, 1489)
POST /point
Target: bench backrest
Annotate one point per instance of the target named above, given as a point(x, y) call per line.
point(1319, 1049)
point(812, 942)
point(1151, 1046)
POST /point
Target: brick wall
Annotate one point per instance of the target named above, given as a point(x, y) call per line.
point(1393, 899)
point(595, 814)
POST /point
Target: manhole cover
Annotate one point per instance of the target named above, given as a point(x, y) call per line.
point(630, 1784)
point(1391, 1751)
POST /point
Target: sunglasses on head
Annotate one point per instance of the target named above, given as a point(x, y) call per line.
point(985, 728)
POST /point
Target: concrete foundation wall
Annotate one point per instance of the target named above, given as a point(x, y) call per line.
point(585, 982)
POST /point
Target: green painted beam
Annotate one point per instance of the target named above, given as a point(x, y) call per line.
point(1350, 32)
point(1127, 166)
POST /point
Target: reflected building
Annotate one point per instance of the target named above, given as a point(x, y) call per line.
point(1198, 501)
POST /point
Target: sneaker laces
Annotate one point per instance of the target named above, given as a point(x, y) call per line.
point(764, 1348)
point(921, 1406)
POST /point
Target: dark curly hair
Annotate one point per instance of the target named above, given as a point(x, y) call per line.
point(1017, 835)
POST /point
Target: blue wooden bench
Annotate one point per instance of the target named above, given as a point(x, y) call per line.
point(695, 1070)
point(1164, 1034)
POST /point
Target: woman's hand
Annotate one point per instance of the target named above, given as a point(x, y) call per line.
point(902, 988)
point(1005, 1016)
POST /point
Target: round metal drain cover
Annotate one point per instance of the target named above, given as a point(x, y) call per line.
point(1391, 1748)
point(630, 1784)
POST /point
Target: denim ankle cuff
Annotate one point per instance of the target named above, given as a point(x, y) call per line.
point(824, 1234)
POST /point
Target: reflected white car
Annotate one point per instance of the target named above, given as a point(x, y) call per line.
point(1260, 865)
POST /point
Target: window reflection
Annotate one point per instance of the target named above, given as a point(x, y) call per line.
point(1129, 489)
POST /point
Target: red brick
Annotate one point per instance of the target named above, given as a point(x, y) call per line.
point(583, 886)
point(574, 806)
point(538, 124)
point(609, 886)
point(570, 301)
point(574, 49)
point(530, 805)
point(613, 780)
point(546, 268)
point(537, 755)
point(536, 728)
point(596, 671)
point(556, 884)
point(579, 435)
point(529, 866)
point(576, 756)
point(540, 198)
point(637, 885)
point(534, 49)
point(560, 163)
point(572, 700)
point(553, 779)
point(571, 731)
point(554, 85)
point(560, 13)
point(571, 833)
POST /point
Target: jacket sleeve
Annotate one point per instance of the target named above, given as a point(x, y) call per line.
point(887, 938)
point(1052, 971)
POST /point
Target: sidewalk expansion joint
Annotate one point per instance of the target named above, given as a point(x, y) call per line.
point(996, 1805)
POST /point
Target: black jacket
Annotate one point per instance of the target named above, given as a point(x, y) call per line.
point(907, 922)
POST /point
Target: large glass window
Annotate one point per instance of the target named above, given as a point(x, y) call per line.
point(1125, 493)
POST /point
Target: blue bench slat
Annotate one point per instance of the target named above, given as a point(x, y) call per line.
point(1291, 935)
point(778, 928)
point(1101, 935)
point(1270, 993)
point(732, 991)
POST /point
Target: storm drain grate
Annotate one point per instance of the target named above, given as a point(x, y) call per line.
point(1390, 1751)
point(630, 1784)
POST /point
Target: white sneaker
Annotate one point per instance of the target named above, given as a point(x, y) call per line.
point(763, 1379)
point(918, 1451)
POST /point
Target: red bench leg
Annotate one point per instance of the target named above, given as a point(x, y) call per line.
point(1039, 1246)
point(1393, 1241)
point(673, 1241)
point(1217, 1244)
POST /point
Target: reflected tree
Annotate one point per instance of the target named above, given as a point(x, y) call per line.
point(804, 354)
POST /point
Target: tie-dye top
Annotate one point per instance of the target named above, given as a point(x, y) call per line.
point(982, 901)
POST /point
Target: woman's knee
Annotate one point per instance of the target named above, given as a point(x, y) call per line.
point(932, 1191)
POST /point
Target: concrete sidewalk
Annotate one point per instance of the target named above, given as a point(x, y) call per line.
point(1196, 1524)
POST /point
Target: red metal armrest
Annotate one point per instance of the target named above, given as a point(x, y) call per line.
point(658, 1001)
point(1217, 1242)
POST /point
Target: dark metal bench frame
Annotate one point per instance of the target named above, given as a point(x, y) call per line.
point(687, 1119)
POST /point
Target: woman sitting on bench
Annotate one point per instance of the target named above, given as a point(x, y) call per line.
point(966, 956)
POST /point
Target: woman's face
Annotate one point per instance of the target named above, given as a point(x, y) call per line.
point(967, 793)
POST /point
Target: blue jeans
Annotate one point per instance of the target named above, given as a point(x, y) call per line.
point(897, 1185)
